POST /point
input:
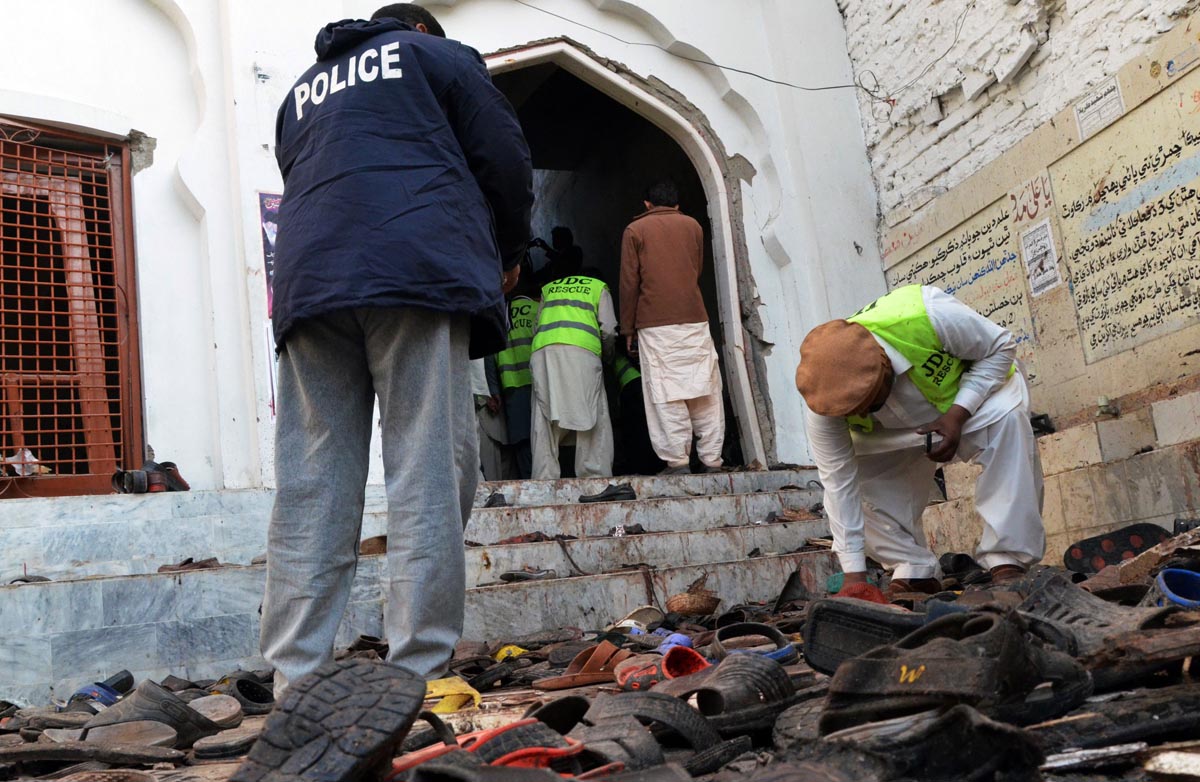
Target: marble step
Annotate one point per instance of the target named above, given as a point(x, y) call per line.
point(568, 490)
point(662, 549)
point(61, 635)
point(138, 533)
point(671, 514)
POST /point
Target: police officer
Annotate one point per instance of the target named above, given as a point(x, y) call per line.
point(576, 330)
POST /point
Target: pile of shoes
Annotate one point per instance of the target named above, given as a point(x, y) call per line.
point(1061, 674)
point(114, 723)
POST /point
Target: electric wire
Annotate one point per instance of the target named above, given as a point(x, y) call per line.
point(856, 85)
point(873, 91)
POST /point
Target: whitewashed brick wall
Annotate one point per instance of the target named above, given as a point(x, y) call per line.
point(1015, 64)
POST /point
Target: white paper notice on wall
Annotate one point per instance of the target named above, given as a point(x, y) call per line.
point(1099, 108)
point(1041, 259)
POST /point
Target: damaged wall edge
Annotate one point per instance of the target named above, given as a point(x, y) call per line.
point(732, 170)
point(141, 151)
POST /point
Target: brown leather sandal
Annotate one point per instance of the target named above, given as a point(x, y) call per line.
point(594, 665)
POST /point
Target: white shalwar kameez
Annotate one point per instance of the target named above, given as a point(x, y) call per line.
point(681, 382)
point(878, 484)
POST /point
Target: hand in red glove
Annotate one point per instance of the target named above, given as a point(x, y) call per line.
point(863, 591)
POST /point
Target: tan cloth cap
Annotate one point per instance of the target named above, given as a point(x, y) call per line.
point(842, 369)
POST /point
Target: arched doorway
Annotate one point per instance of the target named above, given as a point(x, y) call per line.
point(598, 138)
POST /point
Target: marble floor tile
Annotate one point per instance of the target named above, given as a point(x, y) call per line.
point(20, 548)
point(88, 653)
point(49, 608)
point(185, 643)
point(229, 590)
point(128, 601)
point(24, 660)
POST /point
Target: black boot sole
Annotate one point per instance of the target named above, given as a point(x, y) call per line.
point(343, 722)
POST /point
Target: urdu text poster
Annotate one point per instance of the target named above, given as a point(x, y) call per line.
point(1129, 211)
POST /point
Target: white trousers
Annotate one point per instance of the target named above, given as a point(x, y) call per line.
point(1008, 496)
point(593, 446)
point(672, 425)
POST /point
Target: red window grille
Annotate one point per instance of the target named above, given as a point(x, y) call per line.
point(70, 396)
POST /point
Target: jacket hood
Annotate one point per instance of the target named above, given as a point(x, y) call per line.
point(337, 37)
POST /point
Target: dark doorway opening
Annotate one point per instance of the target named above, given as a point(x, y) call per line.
point(593, 158)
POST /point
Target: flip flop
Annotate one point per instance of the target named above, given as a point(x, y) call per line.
point(231, 743)
point(594, 665)
point(141, 733)
point(614, 727)
point(1091, 555)
point(79, 751)
point(526, 743)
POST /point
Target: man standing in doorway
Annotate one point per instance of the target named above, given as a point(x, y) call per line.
point(665, 325)
point(562, 255)
point(575, 333)
point(406, 207)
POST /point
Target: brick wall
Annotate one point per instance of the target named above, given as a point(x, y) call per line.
point(1143, 466)
point(1014, 65)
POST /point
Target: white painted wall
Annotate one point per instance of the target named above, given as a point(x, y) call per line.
point(1014, 66)
point(132, 64)
point(203, 77)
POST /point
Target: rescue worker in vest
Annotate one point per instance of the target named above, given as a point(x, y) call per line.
point(915, 379)
point(575, 334)
point(637, 451)
point(516, 379)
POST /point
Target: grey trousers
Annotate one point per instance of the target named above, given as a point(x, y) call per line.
point(331, 369)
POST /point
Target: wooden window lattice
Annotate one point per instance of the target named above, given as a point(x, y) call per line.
point(67, 390)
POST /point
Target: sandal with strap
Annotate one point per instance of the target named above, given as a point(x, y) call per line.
point(1118, 644)
point(784, 653)
point(745, 694)
point(526, 743)
point(644, 671)
point(639, 731)
point(982, 659)
point(951, 745)
point(152, 702)
point(594, 665)
point(838, 629)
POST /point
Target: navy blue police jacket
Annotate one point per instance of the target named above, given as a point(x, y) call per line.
point(407, 181)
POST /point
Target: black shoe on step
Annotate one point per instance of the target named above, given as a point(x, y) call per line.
point(614, 492)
